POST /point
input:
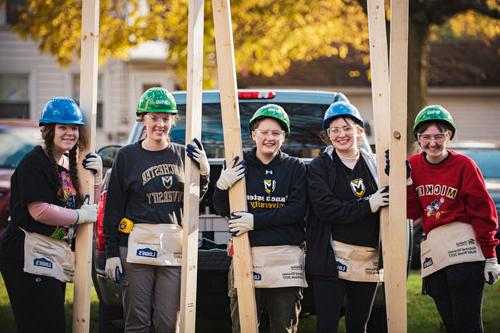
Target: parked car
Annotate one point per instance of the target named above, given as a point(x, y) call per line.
point(306, 109)
point(486, 154)
point(18, 137)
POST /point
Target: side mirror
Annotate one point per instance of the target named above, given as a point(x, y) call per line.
point(108, 154)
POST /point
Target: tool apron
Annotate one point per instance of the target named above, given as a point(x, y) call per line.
point(278, 266)
point(449, 244)
point(47, 256)
point(155, 244)
point(356, 263)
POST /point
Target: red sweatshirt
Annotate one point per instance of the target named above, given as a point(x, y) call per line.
point(453, 191)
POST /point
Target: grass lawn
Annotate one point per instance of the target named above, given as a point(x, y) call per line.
point(422, 314)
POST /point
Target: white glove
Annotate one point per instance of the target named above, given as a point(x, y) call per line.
point(93, 162)
point(491, 270)
point(379, 199)
point(114, 270)
point(196, 152)
point(240, 222)
point(87, 214)
point(229, 176)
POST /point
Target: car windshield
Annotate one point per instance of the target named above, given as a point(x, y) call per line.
point(16, 142)
point(304, 140)
point(488, 160)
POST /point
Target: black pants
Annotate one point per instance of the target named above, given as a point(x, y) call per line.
point(329, 299)
point(37, 301)
point(457, 291)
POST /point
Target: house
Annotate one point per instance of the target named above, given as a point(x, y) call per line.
point(28, 79)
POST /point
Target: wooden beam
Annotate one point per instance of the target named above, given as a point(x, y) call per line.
point(191, 217)
point(88, 105)
point(397, 248)
point(242, 260)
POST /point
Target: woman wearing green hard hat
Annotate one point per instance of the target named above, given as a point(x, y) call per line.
point(447, 194)
point(46, 204)
point(276, 198)
point(343, 226)
point(143, 216)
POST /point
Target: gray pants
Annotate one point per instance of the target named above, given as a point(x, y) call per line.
point(150, 292)
point(281, 304)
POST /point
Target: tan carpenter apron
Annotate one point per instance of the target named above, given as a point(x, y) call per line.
point(356, 263)
point(447, 245)
point(44, 255)
point(155, 244)
point(278, 266)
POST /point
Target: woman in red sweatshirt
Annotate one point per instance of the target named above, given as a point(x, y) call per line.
point(447, 192)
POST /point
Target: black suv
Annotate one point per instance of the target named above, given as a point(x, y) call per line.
point(305, 109)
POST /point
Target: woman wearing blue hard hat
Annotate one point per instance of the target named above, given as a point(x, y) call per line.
point(343, 226)
point(46, 204)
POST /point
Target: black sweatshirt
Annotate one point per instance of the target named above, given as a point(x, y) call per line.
point(328, 212)
point(145, 187)
point(276, 196)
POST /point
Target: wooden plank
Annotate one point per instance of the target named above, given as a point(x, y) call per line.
point(191, 216)
point(88, 105)
point(397, 246)
point(242, 260)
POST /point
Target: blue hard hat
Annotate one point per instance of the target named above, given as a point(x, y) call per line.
point(341, 109)
point(340, 97)
point(61, 110)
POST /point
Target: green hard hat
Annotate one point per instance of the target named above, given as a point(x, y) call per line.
point(434, 113)
point(157, 99)
point(271, 111)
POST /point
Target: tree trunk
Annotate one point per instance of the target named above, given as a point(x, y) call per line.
point(418, 66)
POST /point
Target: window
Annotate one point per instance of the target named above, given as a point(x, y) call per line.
point(76, 96)
point(14, 96)
point(13, 9)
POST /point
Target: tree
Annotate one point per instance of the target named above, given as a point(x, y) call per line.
point(268, 35)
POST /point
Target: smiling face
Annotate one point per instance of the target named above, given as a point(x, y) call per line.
point(433, 140)
point(268, 136)
point(158, 125)
point(65, 137)
point(345, 135)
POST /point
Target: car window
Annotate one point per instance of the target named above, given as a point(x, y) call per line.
point(16, 142)
point(303, 141)
point(488, 160)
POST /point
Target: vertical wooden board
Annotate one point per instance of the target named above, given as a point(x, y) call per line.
point(397, 179)
point(88, 105)
point(190, 221)
point(242, 260)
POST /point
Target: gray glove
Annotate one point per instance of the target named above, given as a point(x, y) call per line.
point(229, 176)
point(379, 199)
point(87, 214)
point(93, 162)
point(114, 270)
point(196, 152)
point(240, 222)
point(491, 270)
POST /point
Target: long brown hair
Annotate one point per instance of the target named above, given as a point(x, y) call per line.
point(48, 133)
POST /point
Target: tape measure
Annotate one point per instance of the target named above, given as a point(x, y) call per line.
point(125, 225)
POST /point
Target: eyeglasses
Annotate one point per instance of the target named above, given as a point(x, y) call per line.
point(164, 118)
point(336, 131)
point(439, 137)
point(273, 133)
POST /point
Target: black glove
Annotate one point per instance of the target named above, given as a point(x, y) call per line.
point(388, 165)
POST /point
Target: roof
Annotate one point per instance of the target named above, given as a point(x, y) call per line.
point(452, 63)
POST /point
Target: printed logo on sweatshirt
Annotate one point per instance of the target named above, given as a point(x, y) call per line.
point(269, 185)
point(436, 189)
point(358, 187)
point(433, 208)
point(167, 181)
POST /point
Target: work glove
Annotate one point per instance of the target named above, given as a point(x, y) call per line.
point(114, 270)
point(240, 222)
point(93, 162)
point(491, 270)
point(379, 199)
point(87, 214)
point(196, 152)
point(388, 168)
point(229, 176)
